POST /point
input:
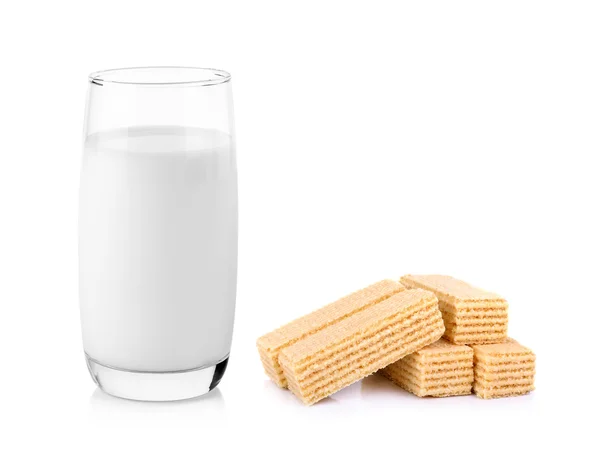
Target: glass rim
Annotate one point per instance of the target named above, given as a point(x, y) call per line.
point(194, 76)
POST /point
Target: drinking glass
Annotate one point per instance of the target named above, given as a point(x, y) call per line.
point(158, 231)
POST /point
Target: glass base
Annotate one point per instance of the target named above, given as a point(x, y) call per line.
point(156, 386)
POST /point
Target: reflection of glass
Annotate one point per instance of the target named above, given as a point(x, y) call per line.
point(158, 231)
point(162, 417)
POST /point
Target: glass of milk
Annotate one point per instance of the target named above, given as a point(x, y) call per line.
point(158, 231)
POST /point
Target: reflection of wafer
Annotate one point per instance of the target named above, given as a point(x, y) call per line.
point(440, 369)
point(340, 354)
point(271, 344)
point(471, 315)
point(503, 369)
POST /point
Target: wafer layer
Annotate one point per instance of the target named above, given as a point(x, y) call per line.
point(271, 344)
point(503, 369)
point(440, 369)
point(471, 315)
point(345, 352)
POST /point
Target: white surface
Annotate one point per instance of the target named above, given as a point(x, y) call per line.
point(158, 232)
point(373, 140)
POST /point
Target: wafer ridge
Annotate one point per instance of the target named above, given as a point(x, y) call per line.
point(438, 370)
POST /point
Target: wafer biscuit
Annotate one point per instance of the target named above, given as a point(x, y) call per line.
point(345, 352)
point(440, 369)
point(471, 315)
point(271, 344)
point(503, 369)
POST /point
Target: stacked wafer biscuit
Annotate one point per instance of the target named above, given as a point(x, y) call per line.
point(395, 327)
point(271, 344)
point(471, 315)
point(440, 369)
point(349, 350)
point(503, 369)
point(475, 317)
point(340, 344)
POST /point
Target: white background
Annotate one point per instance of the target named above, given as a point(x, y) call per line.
point(374, 140)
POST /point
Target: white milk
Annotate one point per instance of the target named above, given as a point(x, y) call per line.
point(158, 247)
